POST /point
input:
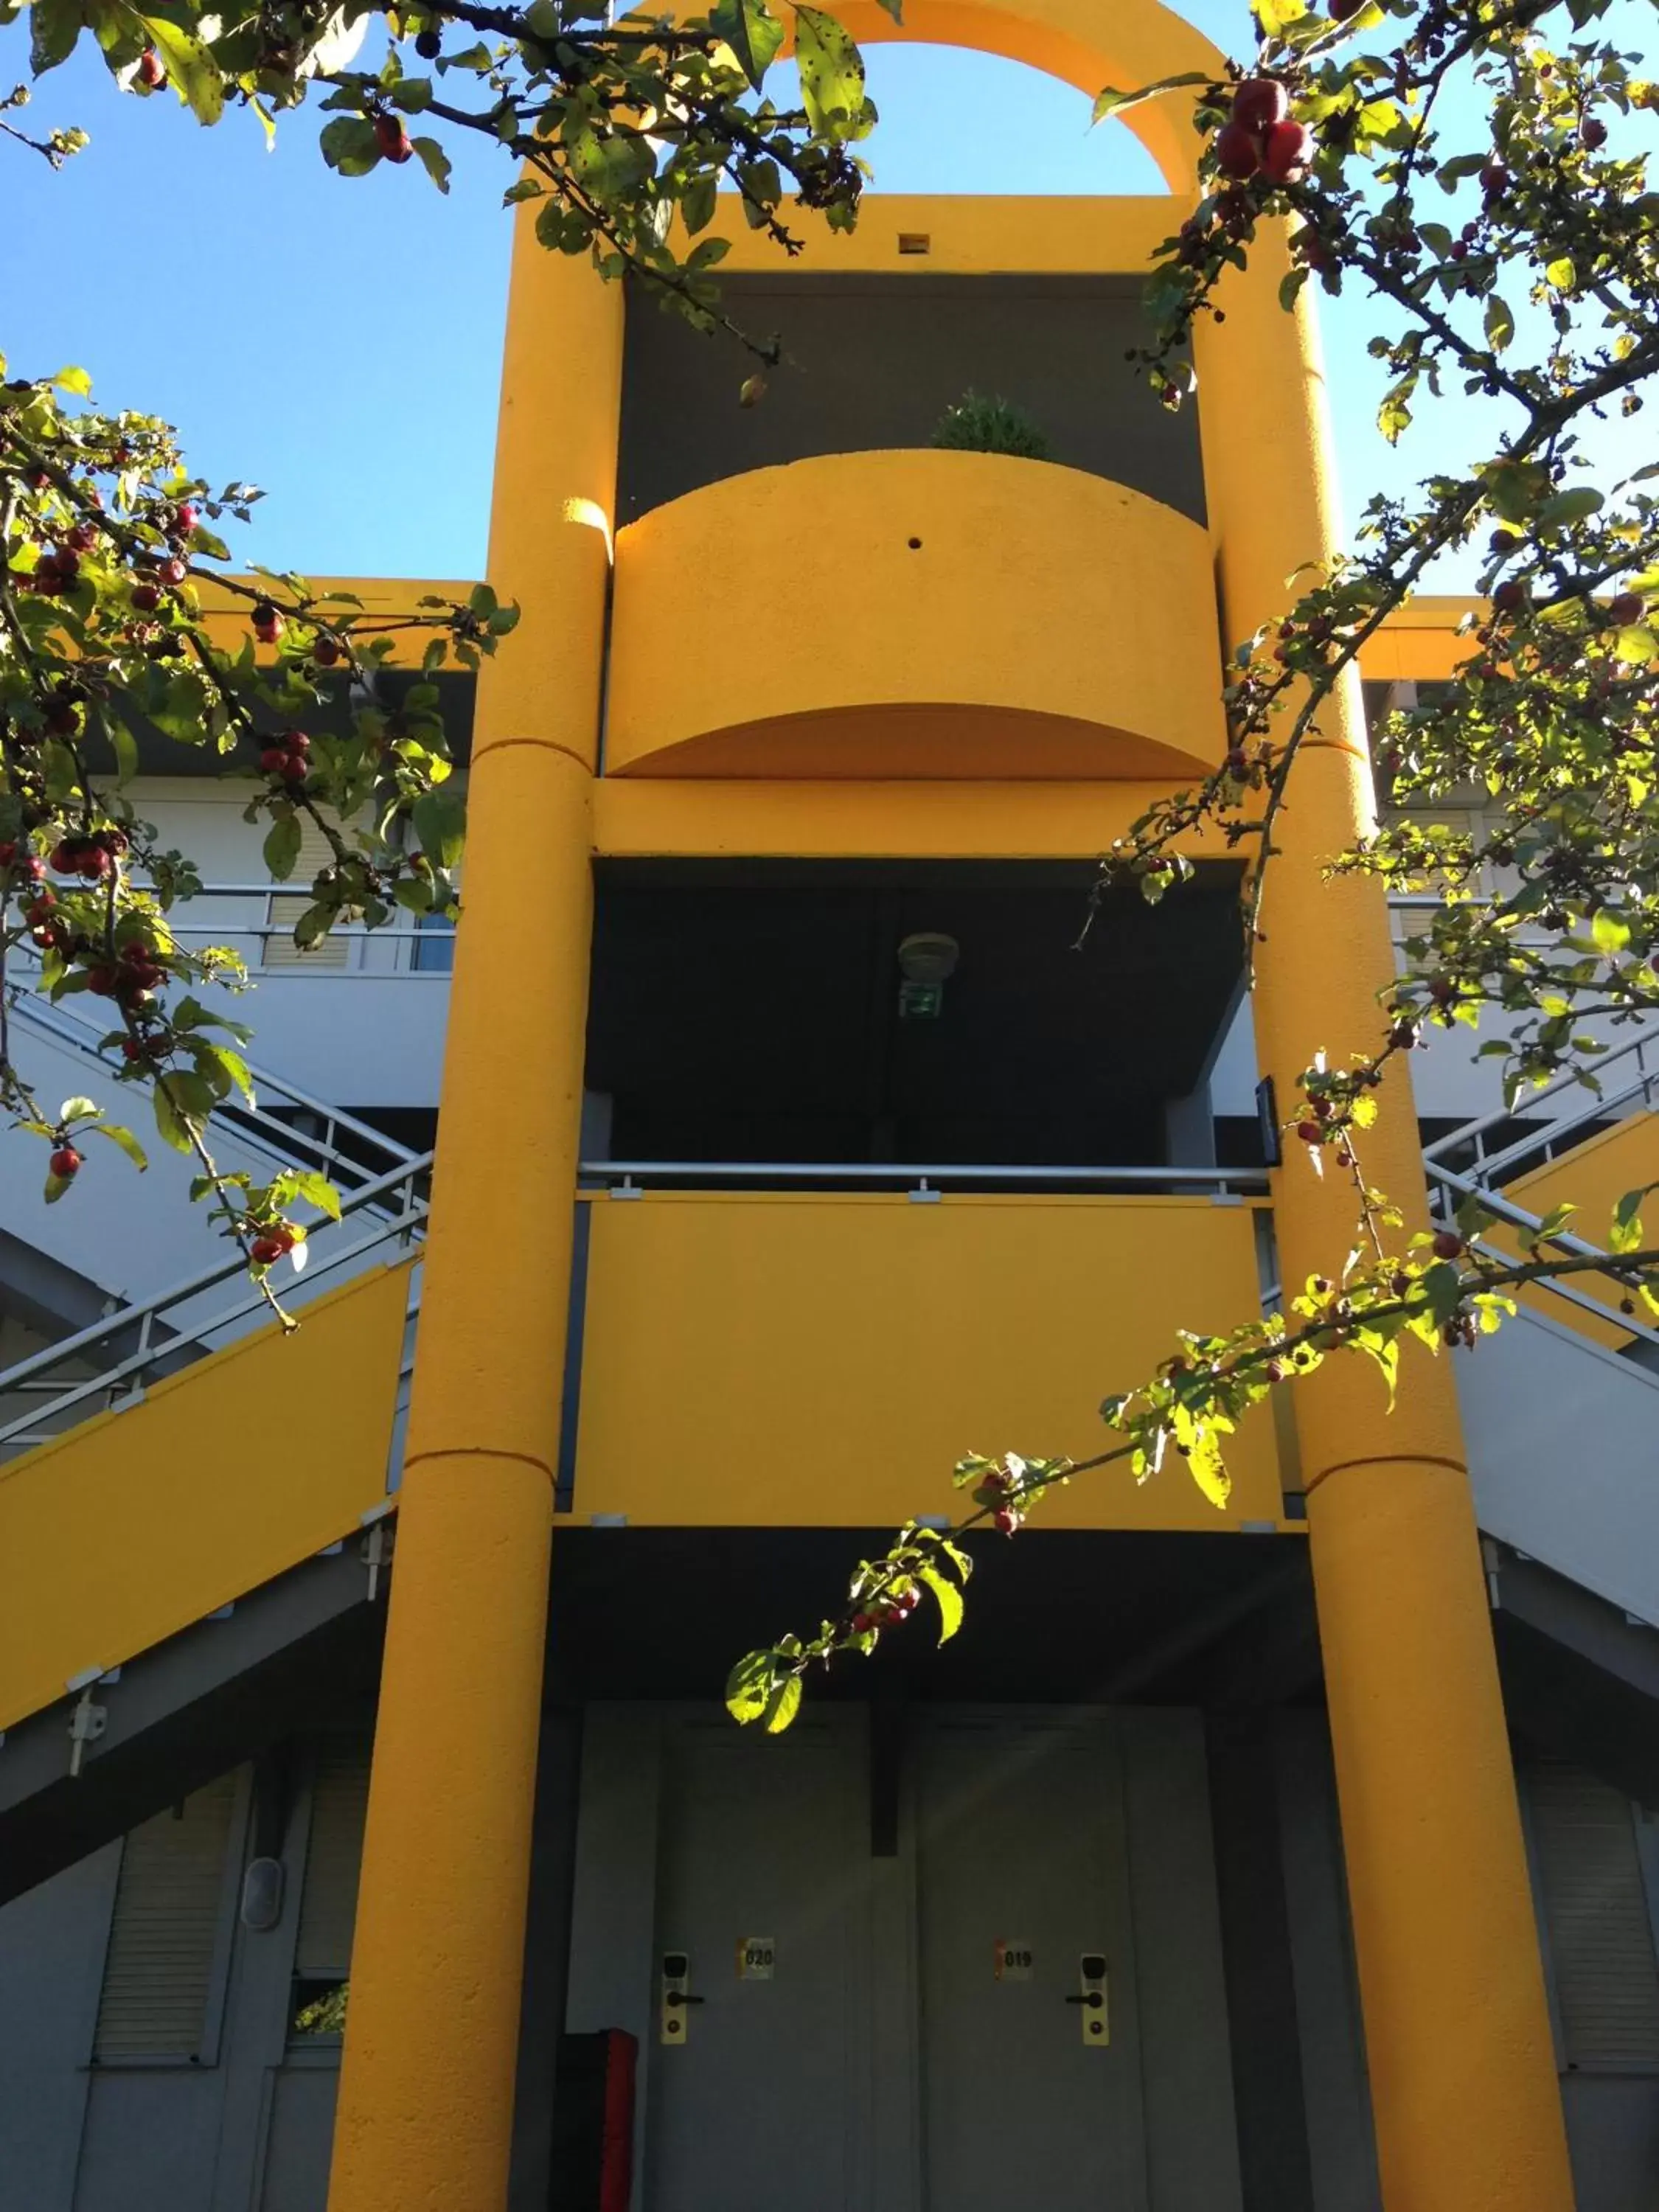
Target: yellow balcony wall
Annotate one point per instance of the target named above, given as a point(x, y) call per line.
point(823, 1360)
point(133, 1526)
point(914, 614)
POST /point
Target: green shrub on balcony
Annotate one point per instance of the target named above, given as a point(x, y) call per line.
point(978, 423)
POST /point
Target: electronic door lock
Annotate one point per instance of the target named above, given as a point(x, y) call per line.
point(1091, 1996)
point(672, 2023)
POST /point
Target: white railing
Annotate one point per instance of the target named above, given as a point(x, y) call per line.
point(630, 1178)
point(1638, 1057)
point(118, 1354)
point(401, 947)
point(1446, 1192)
point(320, 1136)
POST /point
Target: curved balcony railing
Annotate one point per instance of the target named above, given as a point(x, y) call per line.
point(914, 614)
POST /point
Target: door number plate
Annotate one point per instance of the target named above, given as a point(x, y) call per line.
point(755, 1955)
point(1013, 1960)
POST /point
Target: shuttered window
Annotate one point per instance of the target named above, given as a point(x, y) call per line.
point(328, 1900)
point(286, 908)
point(1595, 1911)
point(164, 1936)
point(334, 1854)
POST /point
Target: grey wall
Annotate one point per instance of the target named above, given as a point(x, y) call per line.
point(1335, 2094)
point(872, 361)
point(1179, 1997)
point(248, 2130)
point(52, 1963)
point(1187, 2079)
point(1593, 1514)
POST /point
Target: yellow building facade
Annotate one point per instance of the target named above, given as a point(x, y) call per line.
point(734, 1247)
point(984, 622)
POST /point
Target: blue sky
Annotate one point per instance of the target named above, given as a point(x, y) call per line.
point(338, 341)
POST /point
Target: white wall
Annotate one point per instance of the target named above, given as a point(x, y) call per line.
point(368, 1035)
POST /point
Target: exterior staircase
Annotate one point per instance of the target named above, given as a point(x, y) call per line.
point(270, 1455)
point(273, 1458)
point(1561, 1415)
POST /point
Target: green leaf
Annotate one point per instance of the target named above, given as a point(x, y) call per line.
point(1561, 275)
point(783, 1704)
point(125, 1138)
point(1110, 102)
point(434, 161)
point(753, 33)
point(76, 380)
point(1393, 416)
point(697, 204)
point(1575, 506)
point(949, 1599)
point(315, 1189)
point(54, 27)
point(1609, 929)
point(748, 1686)
point(440, 822)
point(76, 1109)
point(1206, 1466)
point(224, 1068)
point(282, 846)
point(348, 145)
point(191, 67)
point(1637, 646)
point(1625, 1234)
point(1442, 1286)
point(175, 1130)
point(832, 76)
point(612, 167)
point(1500, 323)
point(1385, 1351)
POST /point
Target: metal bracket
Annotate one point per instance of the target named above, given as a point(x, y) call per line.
point(1491, 1561)
point(86, 1724)
point(923, 1195)
point(626, 1189)
point(376, 1549)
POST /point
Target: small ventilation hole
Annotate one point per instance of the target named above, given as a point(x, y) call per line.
point(915, 544)
point(915, 242)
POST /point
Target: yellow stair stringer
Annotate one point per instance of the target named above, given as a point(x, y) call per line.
point(1594, 1176)
point(137, 1523)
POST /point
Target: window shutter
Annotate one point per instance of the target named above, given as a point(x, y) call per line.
point(334, 1856)
point(1596, 1909)
point(164, 1936)
point(286, 908)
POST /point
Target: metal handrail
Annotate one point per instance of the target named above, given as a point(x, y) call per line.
point(284, 1137)
point(1600, 1105)
point(144, 1314)
point(1516, 1216)
point(389, 933)
point(1225, 1180)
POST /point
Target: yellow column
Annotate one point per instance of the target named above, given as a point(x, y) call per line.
point(1457, 2033)
point(425, 2111)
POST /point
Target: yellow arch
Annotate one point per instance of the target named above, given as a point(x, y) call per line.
point(1085, 43)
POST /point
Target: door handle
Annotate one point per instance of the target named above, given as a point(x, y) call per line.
point(1091, 1997)
point(682, 1997)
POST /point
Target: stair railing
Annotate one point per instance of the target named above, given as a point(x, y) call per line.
point(348, 1151)
point(1636, 1058)
point(121, 1352)
point(1446, 1189)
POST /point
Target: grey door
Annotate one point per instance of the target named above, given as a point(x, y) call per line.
point(1022, 1877)
point(760, 2102)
